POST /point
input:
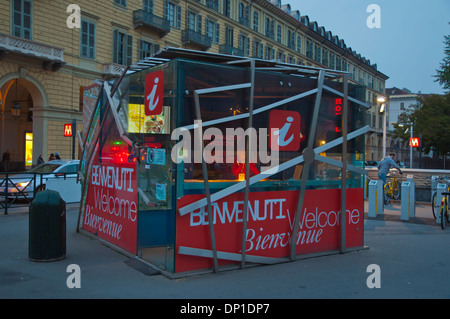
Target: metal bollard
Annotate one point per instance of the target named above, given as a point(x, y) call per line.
point(376, 203)
point(408, 200)
point(434, 183)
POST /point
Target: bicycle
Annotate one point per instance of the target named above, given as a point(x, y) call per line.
point(444, 210)
point(391, 188)
point(435, 205)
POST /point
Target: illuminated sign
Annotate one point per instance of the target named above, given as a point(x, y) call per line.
point(338, 112)
point(68, 130)
point(154, 93)
point(286, 126)
point(415, 142)
point(28, 149)
point(138, 122)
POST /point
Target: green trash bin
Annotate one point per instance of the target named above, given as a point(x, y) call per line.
point(47, 227)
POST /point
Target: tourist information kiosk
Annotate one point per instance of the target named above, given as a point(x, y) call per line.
point(195, 161)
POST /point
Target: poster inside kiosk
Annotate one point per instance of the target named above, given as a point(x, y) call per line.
point(149, 198)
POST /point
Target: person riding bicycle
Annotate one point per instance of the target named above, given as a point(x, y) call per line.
point(385, 165)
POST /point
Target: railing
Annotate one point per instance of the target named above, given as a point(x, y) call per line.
point(229, 49)
point(11, 192)
point(113, 69)
point(31, 48)
point(148, 19)
point(194, 37)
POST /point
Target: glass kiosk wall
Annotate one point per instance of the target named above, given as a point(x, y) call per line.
point(171, 226)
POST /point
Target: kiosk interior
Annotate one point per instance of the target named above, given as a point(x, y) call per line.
point(195, 161)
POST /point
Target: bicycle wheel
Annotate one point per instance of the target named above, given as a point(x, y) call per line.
point(385, 194)
point(395, 190)
point(447, 213)
point(443, 214)
point(433, 205)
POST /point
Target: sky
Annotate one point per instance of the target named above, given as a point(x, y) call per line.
point(408, 46)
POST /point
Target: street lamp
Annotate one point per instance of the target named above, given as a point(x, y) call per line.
point(383, 109)
point(15, 108)
point(410, 142)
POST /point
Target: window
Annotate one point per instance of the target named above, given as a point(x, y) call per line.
point(281, 57)
point(290, 39)
point(213, 30)
point(213, 4)
point(87, 46)
point(227, 8)
point(121, 2)
point(402, 106)
point(309, 49)
point(244, 44)
point(147, 6)
point(229, 35)
point(146, 49)
point(318, 53)
point(258, 49)
point(269, 53)
point(291, 59)
point(339, 63)
point(299, 44)
point(122, 48)
point(172, 12)
point(244, 14)
point(21, 18)
point(270, 28)
point(256, 21)
point(194, 21)
point(279, 31)
point(325, 57)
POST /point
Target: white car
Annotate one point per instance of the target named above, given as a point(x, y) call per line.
point(24, 185)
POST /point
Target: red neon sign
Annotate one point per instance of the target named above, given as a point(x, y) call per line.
point(338, 111)
point(415, 142)
point(68, 130)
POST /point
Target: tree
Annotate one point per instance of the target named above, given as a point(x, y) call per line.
point(430, 118)
point(443, 73)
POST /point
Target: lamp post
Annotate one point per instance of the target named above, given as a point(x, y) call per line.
point(15, 108)
point(383, 109)
point(410, 142)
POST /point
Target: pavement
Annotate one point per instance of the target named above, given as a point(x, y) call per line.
point(413, 259)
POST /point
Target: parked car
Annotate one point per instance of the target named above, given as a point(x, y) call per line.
point(24, 185)
point(371, 163)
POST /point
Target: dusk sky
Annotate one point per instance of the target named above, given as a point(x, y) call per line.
point(409, 45)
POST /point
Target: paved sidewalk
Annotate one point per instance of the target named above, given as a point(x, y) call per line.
point(413, 258)
point(392, 212)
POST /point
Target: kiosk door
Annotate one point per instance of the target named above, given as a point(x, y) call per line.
point(156, 209)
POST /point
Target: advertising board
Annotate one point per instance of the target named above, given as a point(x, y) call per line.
point(269, 224)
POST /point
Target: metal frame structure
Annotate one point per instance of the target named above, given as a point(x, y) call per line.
point(309, 156)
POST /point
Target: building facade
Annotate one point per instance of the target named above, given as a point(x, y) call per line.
point(48, 55)
point(399, 101)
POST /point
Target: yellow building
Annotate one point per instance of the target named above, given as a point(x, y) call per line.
point(47, 56)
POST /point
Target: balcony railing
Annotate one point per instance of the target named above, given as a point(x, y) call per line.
point(194, 37)
point(146, 19)
point(113, 69)
point(51, 55)
point(229, 49)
